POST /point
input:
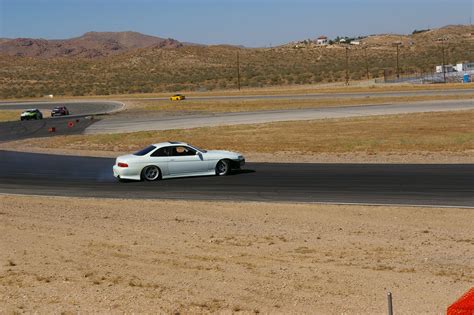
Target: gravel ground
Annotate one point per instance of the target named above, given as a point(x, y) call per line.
point(94, 255)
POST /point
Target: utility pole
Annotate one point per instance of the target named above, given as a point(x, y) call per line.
point(347, 65)
point(444, 61)
point(366, 62)
point(398, 59)
point(238, 70)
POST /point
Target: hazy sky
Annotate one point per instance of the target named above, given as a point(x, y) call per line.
point(245, 22)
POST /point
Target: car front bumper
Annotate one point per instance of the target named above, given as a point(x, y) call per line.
point(236, 164)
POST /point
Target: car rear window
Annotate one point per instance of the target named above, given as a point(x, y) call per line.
point(145, 151)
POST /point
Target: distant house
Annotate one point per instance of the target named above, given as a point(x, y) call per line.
point(322, 40)
point(342, 40)
point(355, 42)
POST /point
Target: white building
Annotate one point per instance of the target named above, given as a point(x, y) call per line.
point(465, 66)
point(355, 42)
point(322, 40)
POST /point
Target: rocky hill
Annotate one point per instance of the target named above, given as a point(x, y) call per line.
point(89, 45)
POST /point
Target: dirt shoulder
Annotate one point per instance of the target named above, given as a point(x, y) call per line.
point(97, 255)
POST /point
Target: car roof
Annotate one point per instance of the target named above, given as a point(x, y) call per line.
point(168, 143)
point(31, 110)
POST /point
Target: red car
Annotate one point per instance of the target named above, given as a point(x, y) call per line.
point(59, 111)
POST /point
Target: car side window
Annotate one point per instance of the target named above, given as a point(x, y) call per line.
point(165, 151)
point(182, 151)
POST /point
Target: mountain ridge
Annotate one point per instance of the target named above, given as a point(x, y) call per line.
point(88, 45)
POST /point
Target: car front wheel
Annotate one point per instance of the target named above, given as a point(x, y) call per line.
point(150, 173)
point(223, 168)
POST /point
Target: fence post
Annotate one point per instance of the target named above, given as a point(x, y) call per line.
point(390, 306)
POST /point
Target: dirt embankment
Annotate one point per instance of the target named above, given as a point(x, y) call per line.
point(95, 255)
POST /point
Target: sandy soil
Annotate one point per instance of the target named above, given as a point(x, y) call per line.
point(95, 255)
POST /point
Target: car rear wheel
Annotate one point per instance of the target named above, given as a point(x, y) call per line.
point(223, 168)
point(150, 173)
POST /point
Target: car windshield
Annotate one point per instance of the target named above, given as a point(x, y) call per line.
point(145, 151)
point(198, 149)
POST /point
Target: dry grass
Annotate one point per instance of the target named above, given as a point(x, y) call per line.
point(9, 115)
point(451, 132)
point(276, 104)
point(74, 255)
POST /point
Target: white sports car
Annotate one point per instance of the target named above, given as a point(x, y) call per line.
point(175, 159)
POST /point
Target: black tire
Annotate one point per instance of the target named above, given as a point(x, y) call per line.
point(151, 173)
point(223, 168)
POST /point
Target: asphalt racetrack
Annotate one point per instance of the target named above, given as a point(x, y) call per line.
point(81, 117)
point(416, 184)
point(413, 184)
point(76, 108)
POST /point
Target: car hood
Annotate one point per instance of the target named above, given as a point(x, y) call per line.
point(26, 114)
